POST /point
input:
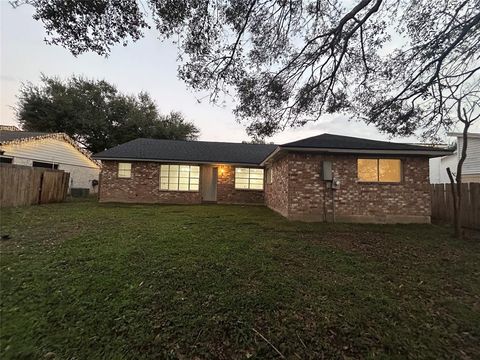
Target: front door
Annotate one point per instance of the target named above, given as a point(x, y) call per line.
point(209, 183)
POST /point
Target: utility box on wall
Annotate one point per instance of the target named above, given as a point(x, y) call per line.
point(327, 171)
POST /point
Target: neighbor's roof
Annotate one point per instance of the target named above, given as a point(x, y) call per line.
point(191, 151)
point(15, 137)
point(8, 136)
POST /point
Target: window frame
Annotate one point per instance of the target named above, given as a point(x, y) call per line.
point(378, 171)
point(45, 165)
point(179, 177)
point(118, 170)
point(249, 178)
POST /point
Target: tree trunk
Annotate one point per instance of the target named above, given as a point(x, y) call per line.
point(455, 203)
point(457, 188)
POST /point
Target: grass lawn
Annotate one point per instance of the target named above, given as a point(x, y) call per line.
point(81, 280)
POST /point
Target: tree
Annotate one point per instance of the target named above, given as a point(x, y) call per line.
point(467, 111)
point(96, 114)
point(290, 61)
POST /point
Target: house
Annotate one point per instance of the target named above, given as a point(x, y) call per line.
point(50, 150)
point(322, 178)
point(471, 166)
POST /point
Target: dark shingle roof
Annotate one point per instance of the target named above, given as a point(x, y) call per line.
point(195, 151)
point(329, 141)
point(6, 136)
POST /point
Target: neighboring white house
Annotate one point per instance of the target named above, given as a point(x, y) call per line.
point(50, 150)
point(471, 166)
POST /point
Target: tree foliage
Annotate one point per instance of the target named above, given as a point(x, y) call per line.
point(96, 114)
point(290, 61)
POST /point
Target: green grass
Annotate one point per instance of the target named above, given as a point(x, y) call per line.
point(81, 280)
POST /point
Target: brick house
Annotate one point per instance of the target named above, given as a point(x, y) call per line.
point(322, 178)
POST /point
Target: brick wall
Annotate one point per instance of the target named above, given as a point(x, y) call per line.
point(309, 198)
point(276, 192)
point(227, 194)
point(143, 187)
point(296, 192)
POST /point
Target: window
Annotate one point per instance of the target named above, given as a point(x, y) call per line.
point(124, 170)
point(44, 165)
point(179, 177)
point(248, 179)
point(6, 160)
point(379, 170)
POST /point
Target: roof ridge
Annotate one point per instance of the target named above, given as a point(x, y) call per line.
point(200, 141)
point(344, 136)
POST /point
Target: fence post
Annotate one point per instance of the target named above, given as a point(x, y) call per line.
point(40, 189)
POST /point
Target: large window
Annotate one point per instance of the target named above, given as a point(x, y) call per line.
point(124, 170)
point(179, 177)
point(248, 179)
point(379, 170)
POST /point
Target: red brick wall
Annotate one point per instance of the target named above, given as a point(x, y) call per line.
point(143, 187)
point(276, 193)
point(297, 191)
point(310, 199)
point(227, 194)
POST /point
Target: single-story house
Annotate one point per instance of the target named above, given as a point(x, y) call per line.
point(50, 150)
point(322, 178)
point(470, 168)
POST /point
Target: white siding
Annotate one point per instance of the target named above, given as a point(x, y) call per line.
point(81, 177)
point(471, 166)
point(82, 170)
point(434, 170)
point(438, 168)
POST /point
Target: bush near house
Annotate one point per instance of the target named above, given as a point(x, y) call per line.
point(82, 280)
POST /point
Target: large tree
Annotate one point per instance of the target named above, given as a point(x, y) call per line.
point(96, 114)
point(290, 61)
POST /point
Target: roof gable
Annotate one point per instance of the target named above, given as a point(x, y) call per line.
point(18, 137)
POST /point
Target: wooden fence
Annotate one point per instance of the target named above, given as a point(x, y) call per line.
point(442, 204)
point(25, 185)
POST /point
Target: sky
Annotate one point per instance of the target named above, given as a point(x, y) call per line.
point(147, 65)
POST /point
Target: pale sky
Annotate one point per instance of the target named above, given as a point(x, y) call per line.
point(147, 65)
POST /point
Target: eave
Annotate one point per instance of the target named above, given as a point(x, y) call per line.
point(173, 161)
point(426, 152)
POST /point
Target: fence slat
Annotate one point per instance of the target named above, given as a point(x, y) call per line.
point(23, 185)
point(442, 204)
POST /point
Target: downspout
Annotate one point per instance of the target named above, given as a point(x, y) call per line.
point(333, 196)
point(333, 204)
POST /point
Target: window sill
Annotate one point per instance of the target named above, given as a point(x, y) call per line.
point(179, 191)
point(249, 189)
point(378, 183)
